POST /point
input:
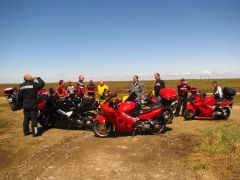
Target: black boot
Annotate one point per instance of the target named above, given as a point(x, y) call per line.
point(176, 114)
point(26, 134)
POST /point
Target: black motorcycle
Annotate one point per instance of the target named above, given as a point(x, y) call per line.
point(12, 97)
point(79, 112)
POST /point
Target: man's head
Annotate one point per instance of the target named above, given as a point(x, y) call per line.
point(28, 77)
point(182, 80)
point(214, 83)
point(91, 82)
point(135, 78)
point(157, 76)
point(101, 82)
point(69, 82)
point(81, 78)
point(61, 83)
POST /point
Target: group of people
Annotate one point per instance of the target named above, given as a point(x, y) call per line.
point(29, 89)
point(183, 89)
point(69, 90)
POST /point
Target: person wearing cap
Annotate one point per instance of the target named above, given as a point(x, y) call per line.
point(80, 87)
point(137, 88)
point(70, 89)
point(91, 89)
point(61, 91)
point(102, 90)
point(28, 91)
point(159, 84)
point(183, 89)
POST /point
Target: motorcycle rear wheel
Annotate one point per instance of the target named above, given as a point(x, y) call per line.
point(102, 130)
point(228, 111)
point(170, 115)
point(189, 115)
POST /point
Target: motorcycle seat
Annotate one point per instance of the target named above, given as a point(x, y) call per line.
point(156, 105)
point(220, 101)
point(145, 110)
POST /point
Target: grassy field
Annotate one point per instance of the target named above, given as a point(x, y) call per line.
point(120, 87)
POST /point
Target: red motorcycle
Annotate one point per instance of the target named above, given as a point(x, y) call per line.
point(169, 99)
point(130, 117)
point(202, 106)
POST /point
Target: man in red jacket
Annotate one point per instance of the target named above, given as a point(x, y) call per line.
point(61, 91)
point(80, 87)
point(183, 88)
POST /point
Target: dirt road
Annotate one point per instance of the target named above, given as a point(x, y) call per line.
point(75, 154)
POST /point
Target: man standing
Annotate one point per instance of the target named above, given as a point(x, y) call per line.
point(159, 84)
point(61, 91)
point(137, 88)
point(183, 89)
point(28, 91)
point(91, 89)
point(80, 87)
point(70, 89)
point(102, 90)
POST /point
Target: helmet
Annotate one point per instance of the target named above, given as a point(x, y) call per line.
point(69, 81)
point(193, 90)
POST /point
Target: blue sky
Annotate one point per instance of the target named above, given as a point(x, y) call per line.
point(115, 39)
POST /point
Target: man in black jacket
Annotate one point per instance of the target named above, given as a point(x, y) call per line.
point(28, 91)
point(159, 84)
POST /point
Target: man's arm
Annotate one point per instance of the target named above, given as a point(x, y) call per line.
point(20, 94)
point(163, 84)
point(142, 90)
point(40, 83)
point(157, 88)
point(220, 91)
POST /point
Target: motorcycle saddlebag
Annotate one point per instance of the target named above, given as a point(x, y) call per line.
point(229, 92)
point(12, 97)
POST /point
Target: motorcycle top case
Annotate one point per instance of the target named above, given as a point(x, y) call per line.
point(126, 107)
point(12, 97)
point(229, 92)
point(168, 94)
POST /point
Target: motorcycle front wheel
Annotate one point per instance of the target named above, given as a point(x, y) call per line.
point(159, 128)
point(44, 121)
point(102, 130)
point(189, 114)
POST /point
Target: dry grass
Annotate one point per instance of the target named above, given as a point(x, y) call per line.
point(219, 151)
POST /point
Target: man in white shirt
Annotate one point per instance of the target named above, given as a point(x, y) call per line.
point(217, 92)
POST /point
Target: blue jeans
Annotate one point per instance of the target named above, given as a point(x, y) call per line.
point(159, 99)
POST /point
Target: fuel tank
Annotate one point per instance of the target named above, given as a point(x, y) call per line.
point(211, 100)
point(126, 107)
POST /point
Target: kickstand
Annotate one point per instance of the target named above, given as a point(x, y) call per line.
point(134, 132)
